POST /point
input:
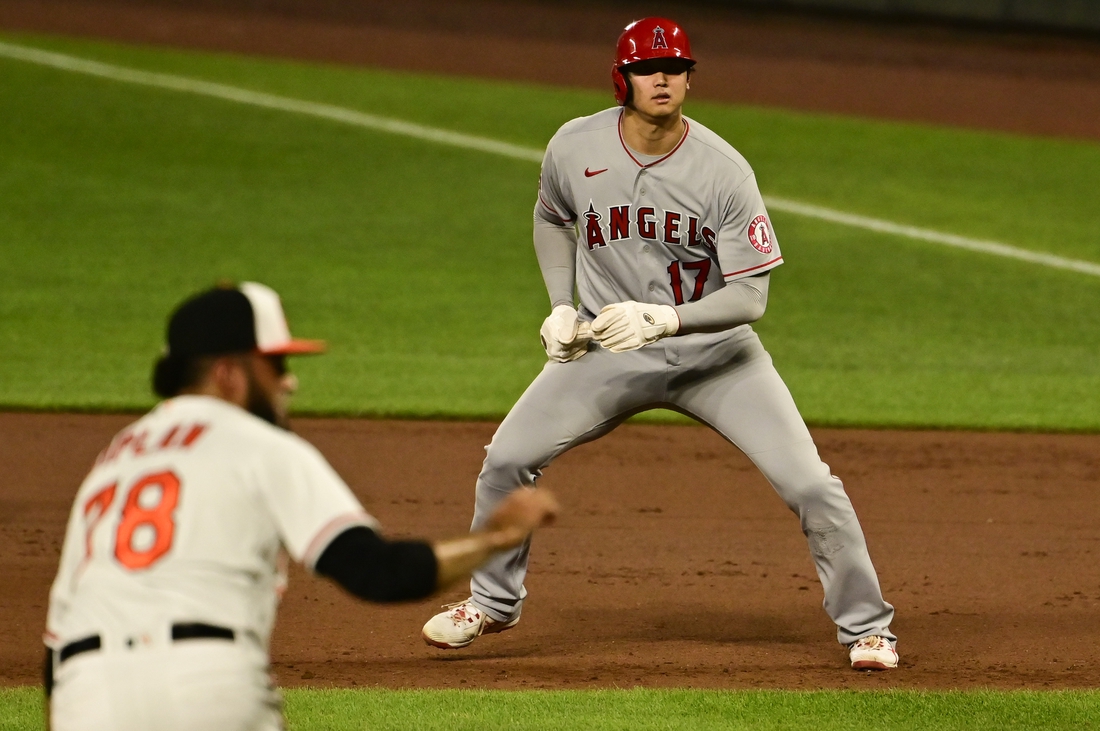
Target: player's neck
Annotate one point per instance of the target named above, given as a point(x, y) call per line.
point(652, 135)
point(227, 380)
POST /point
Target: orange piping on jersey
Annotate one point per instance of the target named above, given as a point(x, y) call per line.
point(333, 528)
point(636, 161)
point(282, 565)
point(776, 260)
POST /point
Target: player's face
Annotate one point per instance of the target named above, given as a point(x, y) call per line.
point(270, 385)
point(660, 86)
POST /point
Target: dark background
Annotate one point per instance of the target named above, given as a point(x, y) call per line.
point(1035, 15)
point(873, 58)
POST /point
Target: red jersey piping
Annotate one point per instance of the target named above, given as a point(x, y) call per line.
point(551, 209)
point(637, 162)
point(776, 260)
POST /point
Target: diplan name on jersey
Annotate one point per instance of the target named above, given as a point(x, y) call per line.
point(647, 222)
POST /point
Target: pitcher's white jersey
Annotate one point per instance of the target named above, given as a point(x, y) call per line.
point(185, 518)
point(662, 230)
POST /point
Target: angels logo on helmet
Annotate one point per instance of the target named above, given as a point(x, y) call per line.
point(659, 38)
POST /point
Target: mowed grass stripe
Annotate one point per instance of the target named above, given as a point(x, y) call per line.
point(413, 259)
point(665, 709)
point(688, 710)
point(483, 144)
point(922, 234)
point(269, 101)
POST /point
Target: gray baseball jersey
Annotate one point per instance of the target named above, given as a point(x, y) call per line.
point(670, 230)
point(662, 230)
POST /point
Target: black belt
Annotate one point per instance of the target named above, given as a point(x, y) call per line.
point(189, 631)
point(75, 648)
point(200, 631)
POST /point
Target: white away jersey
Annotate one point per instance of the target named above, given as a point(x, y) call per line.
point(666, 231)
point(184, 518)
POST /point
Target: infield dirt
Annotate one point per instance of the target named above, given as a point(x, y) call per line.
point(674, 564)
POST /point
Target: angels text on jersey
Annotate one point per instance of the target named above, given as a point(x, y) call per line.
point(649, 223)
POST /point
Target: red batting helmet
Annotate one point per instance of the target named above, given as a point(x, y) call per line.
point(645, 39)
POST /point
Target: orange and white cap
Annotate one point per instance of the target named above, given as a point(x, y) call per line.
point(272, 332)
point(239, 319)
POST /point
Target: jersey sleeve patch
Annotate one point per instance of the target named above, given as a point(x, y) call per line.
point(760, 235)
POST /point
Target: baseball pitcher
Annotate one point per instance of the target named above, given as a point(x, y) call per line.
point(176, 549)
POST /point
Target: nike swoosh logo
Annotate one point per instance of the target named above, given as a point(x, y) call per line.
point(589, 173)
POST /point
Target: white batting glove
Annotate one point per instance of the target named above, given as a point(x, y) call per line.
point(629, 325)
point(563, 337)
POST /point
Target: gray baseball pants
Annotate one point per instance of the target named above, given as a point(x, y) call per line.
point(725, 380)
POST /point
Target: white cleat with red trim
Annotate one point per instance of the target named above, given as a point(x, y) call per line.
point(872, 653)
point(460, 625)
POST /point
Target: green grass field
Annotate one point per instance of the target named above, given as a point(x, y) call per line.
point(666, 710)
point(413, 259)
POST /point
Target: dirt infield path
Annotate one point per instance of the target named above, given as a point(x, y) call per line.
point(683, 571)
point(1014, 82)
point(662, 572)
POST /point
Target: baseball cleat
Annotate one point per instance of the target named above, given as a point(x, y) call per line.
point(872, 653)
point(460, 625)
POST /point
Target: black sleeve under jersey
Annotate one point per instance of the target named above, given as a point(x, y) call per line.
point(378, 570)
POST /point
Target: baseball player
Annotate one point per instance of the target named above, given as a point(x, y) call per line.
point(658, 225)
point(176, 548)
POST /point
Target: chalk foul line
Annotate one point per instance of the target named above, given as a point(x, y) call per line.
point(496, 147)
point(923, 234)
point(268, 101)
